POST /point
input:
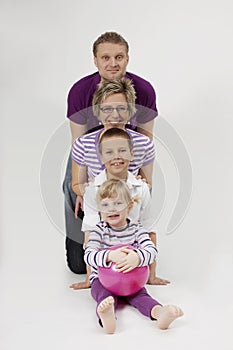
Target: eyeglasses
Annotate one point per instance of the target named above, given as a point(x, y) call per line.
point(110, 109)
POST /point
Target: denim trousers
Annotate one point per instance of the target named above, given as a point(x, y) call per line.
point(74, 235)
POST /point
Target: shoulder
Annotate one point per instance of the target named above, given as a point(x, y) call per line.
point(84, 83)
point(138, 137)
point(140, 83)
point(88, 137)
point(134, 225)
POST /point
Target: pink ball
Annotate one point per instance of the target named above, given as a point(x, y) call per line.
point(121, 283)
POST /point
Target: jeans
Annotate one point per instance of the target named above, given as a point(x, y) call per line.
point(74, 235)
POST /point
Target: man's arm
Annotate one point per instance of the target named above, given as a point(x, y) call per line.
point(146, 129)
point(77, 130)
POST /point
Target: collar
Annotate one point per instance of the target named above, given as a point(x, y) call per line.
point(131, 180)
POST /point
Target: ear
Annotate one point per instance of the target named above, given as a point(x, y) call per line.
point(95, 61)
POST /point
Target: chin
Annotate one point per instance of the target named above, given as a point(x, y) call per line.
point(116, 75)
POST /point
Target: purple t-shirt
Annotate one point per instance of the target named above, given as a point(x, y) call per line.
point(81, 94)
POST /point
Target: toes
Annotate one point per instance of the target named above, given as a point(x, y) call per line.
point(105, 304)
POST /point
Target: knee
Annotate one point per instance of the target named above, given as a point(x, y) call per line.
point(75, 256)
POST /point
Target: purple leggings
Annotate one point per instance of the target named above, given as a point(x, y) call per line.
point(140, 300)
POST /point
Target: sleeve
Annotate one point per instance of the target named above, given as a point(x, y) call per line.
point(146, 217)
point(149, 151)
point(78, 152)
point(79, 108)
point(94, 255)
point(146, 249)
point(146, 103)
point(91, 215)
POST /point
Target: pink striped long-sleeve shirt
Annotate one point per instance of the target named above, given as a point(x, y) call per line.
point(104, 237)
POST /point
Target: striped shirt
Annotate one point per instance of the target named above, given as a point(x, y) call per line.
point(104, 237)
point(85, 152)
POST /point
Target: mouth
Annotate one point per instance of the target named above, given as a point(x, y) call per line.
point(119, 122)
point(118, 163)
point(113, 216)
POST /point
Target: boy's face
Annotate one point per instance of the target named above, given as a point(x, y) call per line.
point(116, 156)
point(111, 60)
point(114, 112)
point(114, 211)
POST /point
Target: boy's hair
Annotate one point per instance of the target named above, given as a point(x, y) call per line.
point(115, 188)
point(115, 132)
point(110, 37)
point(109, 87)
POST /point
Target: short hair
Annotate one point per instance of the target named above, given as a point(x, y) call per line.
point(110, 37)
point(112, 189)
point(115, 132)
point(109, 87)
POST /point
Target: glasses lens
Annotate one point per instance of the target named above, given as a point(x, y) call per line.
point(107, 110)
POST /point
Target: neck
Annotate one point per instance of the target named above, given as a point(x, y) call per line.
point(119, 227)
point(121, 176)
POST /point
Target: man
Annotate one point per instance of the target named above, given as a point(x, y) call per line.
point(111, 58)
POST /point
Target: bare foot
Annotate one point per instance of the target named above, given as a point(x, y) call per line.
point(165, 315)
point(157, 280)
point(107, 315)
point(81, 285)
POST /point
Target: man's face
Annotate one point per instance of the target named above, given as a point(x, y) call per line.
point(111, 60)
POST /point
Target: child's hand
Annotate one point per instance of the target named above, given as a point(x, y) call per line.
point(116, 255)
point(129, 261)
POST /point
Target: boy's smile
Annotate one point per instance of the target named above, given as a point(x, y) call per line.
point(116, 156)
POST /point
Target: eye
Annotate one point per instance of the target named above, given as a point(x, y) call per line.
point(119, 57)
point(119, 204)
point(107, 110)
point(104, 205)
point(122, 109)
point(123, 150)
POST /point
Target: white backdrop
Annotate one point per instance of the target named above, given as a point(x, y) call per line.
point(184, 48)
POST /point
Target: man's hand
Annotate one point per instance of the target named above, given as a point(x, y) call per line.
point(81, 285)
point(78, 204)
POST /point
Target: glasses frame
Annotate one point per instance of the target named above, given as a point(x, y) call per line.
point(118, 109)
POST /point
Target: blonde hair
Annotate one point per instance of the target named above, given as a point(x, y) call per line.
point(115, 188)
point(109, 87)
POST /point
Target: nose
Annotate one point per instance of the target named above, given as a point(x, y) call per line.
point(113, 62)
point(111, 208)
point(115, 113)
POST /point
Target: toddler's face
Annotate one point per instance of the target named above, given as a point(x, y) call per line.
point(114, 211)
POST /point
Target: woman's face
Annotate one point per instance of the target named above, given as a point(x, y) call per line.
point(114, 112)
